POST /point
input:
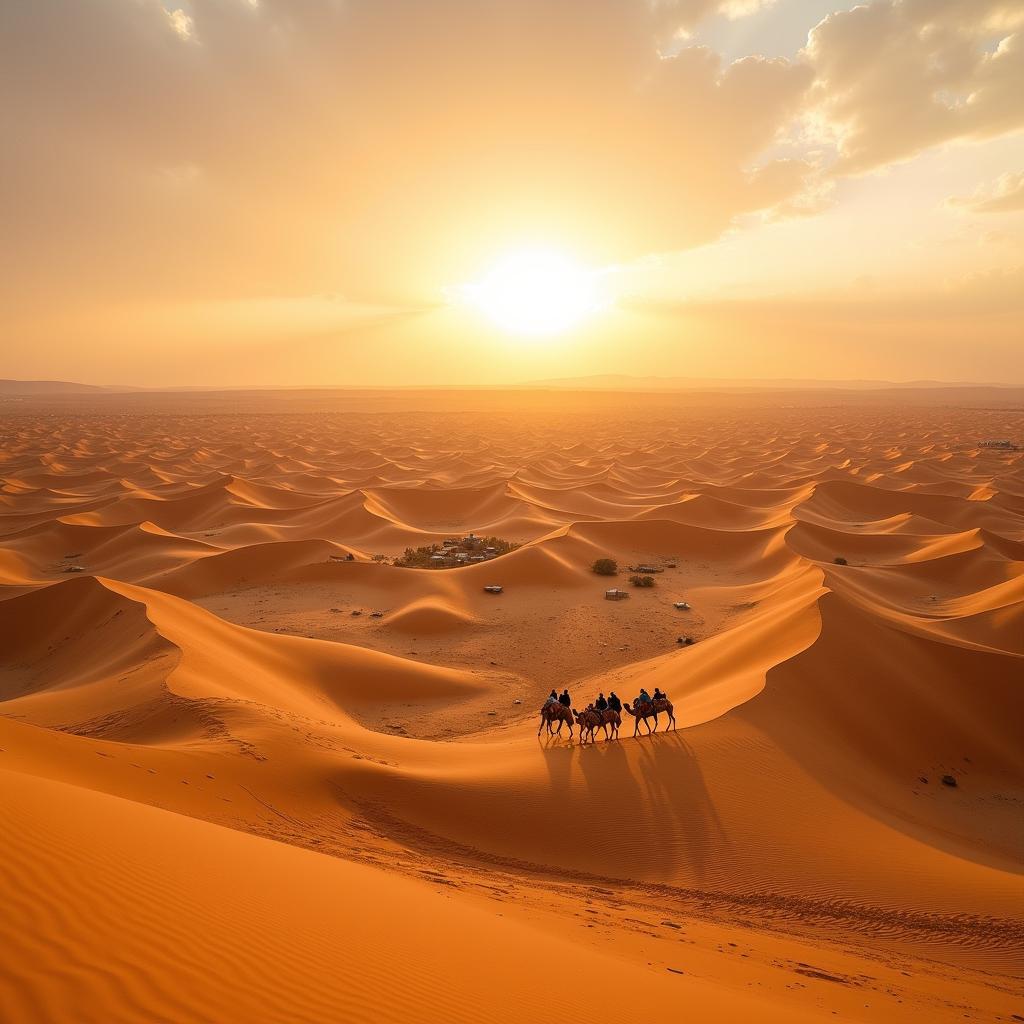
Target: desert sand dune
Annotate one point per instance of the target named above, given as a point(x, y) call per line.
point(250, 772)
point(46, 552)
point(138, 938)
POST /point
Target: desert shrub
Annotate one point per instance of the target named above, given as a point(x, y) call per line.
point(605, 567)
point(642, 581)
point(501, 546)
point(378, 558)
point(840, 561)
point(417, 558)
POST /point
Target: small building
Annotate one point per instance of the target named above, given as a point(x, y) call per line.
point(683, 606)
point(493, 588)
point(615, 594)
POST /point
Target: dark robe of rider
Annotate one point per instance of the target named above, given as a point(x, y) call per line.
point(658, 695)
point(613, 702)
point(565, 699)
point(601, 704)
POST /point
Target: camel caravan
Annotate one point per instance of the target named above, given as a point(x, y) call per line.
point(605, 713)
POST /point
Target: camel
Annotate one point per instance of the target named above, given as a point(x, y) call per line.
point(650, 710)
point(610, 717)
point(588, 722)
point(555, 713)
point(592, 720)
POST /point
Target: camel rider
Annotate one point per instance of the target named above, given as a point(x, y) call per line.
point(658, 695)
point(565, 699)
point(601, 704)
point(552, 698)
point(645, 697)
point(613, 702)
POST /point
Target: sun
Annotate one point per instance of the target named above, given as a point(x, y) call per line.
point(537, 292)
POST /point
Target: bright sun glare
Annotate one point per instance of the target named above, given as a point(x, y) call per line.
point(537, 293)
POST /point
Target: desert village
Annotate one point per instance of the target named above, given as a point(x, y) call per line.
point(470, 549)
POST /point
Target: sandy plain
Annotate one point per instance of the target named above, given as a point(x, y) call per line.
point(225, 797)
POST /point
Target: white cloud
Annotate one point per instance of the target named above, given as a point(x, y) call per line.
point(895, 77)
point(181, 23)
point(734, 9)
point(1005, 195)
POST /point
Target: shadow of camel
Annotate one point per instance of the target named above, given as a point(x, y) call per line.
point(643, 807)
point(671, 774)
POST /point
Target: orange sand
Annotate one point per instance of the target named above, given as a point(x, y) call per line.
point(226, 798)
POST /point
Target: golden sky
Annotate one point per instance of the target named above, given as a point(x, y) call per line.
point(309, 191)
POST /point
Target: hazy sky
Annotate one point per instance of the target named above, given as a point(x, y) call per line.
point(292, 191)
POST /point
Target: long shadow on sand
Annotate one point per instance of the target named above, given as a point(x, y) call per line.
point(644, 801)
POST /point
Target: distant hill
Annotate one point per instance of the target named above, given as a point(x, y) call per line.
point(624, 382)
point(597, 382)
point(55, 387)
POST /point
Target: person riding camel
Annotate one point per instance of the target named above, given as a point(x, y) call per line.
point(601, 704)
point(659, 695)
point(552, 698)
point(565, 698)
point(613, 702)
point(645, 697)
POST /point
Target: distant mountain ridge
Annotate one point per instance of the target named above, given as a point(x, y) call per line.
point(58, 387)
point(45, 387)
point(596, 382)
point(625, 382)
